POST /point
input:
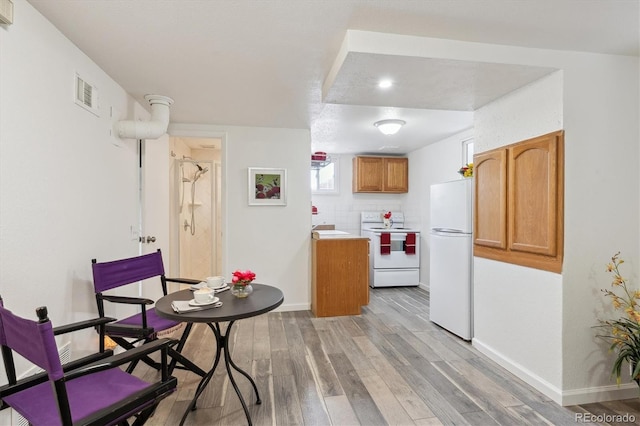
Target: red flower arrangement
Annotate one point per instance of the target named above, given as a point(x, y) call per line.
point(242, 277)
point(387, 215)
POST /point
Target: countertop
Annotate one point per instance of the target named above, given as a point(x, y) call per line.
point(334, 235)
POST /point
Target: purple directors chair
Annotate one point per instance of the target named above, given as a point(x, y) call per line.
point(95, 393)
point(144, 326)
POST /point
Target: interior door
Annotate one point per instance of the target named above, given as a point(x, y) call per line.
point(154, 178)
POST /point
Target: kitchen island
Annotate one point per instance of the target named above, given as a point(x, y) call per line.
point(340, 273)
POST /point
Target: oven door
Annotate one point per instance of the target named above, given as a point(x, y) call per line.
point(398, 258)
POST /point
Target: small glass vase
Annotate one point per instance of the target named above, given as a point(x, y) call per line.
point(241, 291)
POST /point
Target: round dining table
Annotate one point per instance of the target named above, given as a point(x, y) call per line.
point(264, 298)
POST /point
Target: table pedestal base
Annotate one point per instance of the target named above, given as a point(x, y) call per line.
point(222, 343)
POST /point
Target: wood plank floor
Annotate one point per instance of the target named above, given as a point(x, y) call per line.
point(388, 366)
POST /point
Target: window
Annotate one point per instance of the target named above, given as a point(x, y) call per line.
point(467, 151)
point(324, 176)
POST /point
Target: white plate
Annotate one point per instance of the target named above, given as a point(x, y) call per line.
point(193, 302)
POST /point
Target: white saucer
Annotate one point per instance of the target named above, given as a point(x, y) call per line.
point(219, 287)
point(193, 302)
point(204, 285)
point(198, 286)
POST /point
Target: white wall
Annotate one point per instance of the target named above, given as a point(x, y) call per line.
point(535, 323)
point(68, 194)
point(601, 116)
point(272, 241)
point(502, 314)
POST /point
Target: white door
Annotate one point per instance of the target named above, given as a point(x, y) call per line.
point(154, 203)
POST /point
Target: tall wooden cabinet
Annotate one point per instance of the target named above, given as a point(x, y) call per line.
point(519, 203)
point(380, 174)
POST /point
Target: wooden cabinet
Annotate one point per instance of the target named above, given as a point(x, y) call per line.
point(519, 203)
point(381, 174)
point(368, 174)
point(533, 196)
point(340, 276)
point(490, 208)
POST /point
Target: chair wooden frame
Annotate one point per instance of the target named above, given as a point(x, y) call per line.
point(129, 332)
point(38, 346)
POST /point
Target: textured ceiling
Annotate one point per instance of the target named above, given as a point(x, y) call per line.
point(426, 83)
point(263, 63)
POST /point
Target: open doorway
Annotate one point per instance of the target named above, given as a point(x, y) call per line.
point(195, 210)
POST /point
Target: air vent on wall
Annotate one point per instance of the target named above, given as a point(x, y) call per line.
point(6, 12)
point(86, 95)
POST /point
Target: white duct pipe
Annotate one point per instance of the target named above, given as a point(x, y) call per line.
point(151, 129)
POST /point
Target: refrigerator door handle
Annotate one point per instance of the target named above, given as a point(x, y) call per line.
point(448, 230)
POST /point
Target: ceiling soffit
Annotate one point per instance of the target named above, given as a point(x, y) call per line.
point(426, 83)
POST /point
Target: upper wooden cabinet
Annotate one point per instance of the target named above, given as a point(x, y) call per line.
point(519, 205)
point(490, 208)
point(533, 196)
point(381, 174)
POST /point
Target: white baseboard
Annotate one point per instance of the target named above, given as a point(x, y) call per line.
point(561, 397)
point(599, 394)
point(293, 307)
point(529, 377)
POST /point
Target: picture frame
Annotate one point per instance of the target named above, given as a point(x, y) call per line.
point(267, 186)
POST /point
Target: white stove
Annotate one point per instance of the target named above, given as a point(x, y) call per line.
point(394, 253)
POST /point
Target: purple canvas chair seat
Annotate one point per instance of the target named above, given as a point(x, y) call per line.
point(94, 393)
point(146, 325)
point(153, 321)
point(85, 398)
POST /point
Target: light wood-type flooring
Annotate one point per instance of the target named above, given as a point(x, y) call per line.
point(388, 366)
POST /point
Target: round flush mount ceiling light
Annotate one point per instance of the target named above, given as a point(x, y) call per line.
point(389, 127)
point(385, 84)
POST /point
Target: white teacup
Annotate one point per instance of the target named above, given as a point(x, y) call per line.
point(204, 295)
point(215, 282)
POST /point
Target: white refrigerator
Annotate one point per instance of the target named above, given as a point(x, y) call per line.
point(451, 257)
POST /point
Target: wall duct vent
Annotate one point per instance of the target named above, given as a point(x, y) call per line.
point(86, 95)
point(19, 420)
point(6, 12)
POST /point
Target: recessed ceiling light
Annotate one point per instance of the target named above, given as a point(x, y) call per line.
point(385, 84)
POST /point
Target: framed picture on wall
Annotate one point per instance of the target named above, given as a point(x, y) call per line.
point(267, 186)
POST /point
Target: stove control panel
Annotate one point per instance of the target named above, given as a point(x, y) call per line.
point(376, 217)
